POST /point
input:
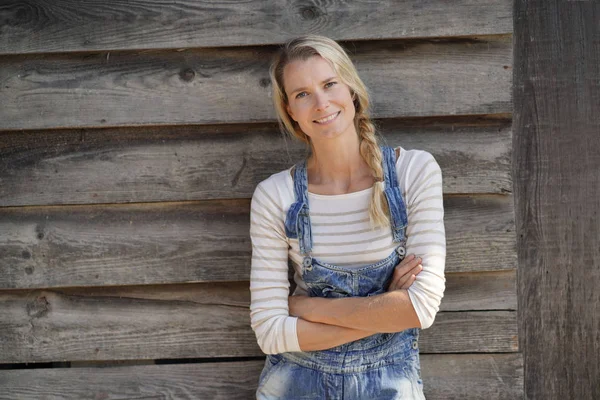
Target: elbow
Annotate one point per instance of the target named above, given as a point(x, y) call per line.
point(264, 339)
point(426, 308)
point(276, 334)
point(426, 322)
point(265, 347)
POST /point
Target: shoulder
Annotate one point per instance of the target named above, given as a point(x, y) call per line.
point(412, 163)
point(276, 182)
point(278, 188)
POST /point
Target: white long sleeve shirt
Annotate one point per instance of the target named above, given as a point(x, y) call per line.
point(342, 235)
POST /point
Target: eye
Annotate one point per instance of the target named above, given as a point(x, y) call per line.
point(300, 95)
point(330, 84)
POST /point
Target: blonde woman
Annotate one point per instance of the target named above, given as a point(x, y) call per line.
point(363, 227)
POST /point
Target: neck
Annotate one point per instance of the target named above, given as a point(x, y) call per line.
point(337, 162)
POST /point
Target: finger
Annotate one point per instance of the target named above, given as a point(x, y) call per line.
point(409, 282)
point(415, 271)
point(403, 281)
point(402, 270)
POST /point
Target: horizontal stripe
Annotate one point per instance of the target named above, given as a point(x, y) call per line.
point(428, 244)
point(354, 253)
point(273, 202)
point(336, 244)
point(315, 214)
point(270, 247)
point(261, 258)
point(340, 223)
point(269, 269)
point(423, 210)
point(316, 234)
point(269, 280)
point(262, 289)
point(268, 299)
point(426, 232)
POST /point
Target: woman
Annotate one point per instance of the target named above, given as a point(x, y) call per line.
point(346, 217)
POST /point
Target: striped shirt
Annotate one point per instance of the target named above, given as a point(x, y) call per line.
point(342, 236)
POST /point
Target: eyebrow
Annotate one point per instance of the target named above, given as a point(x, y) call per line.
point(322, 83)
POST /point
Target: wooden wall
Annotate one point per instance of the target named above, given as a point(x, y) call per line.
point(131, 139)
point(557, 193)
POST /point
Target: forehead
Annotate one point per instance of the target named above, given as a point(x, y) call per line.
point(304, 73)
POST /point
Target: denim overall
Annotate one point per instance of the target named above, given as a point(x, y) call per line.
point(381, 366)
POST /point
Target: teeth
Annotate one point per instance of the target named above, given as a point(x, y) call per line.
point(327, 119)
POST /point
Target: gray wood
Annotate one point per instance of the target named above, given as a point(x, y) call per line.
point(418, 78)
point(186, 23)
point(557, 185)
point(198, 163)
point(45, 325)
point(109, 245)
point(480, 291)
point(445, 376)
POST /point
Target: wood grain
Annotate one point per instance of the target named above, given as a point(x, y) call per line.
point(30, 26)
point(417, 78)
point(217, 162)
point(556, 166)
point(132, 244)
point(52, 325)
point(445, 376)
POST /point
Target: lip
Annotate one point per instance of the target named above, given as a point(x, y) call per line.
point(327, 116)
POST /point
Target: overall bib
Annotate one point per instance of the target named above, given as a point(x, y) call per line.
point(381, 366)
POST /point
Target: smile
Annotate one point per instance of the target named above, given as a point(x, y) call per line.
point(327, 119)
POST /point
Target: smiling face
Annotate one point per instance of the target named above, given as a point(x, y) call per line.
point(318, 100)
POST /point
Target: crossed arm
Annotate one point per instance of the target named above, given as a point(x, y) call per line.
point(324, 323)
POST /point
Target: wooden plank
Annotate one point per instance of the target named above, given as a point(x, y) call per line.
point(480, 291)
point(557, 185)
point(191, 242)
point(216, 162)
point(445, 376)
point(416, 78)
point(50, 325)
point(190, 23)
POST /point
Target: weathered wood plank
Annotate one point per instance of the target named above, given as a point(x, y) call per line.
point(199, 163)
point(191, 242)
point(445, 376)
point(556, 166)
point(480, 291)
point(31, 28)
point(47, 325)
point(416, 78)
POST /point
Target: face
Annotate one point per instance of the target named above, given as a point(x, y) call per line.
point(318, 100)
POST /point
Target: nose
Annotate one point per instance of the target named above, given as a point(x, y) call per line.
point(321, 101)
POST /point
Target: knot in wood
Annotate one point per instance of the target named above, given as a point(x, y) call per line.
point(264, 82)
point(187, 74)
point(38, 307)
point(309, 13)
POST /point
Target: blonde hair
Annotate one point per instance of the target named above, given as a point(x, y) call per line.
point(303, 48)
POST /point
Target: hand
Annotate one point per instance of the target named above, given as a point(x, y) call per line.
point(405, 273)
point(295, 303)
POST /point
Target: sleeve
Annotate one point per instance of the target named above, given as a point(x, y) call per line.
point(426, 236)
point(269, 286)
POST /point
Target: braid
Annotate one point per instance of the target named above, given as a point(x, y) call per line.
point(371, 153)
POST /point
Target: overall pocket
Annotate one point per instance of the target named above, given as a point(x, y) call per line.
point(272, 364)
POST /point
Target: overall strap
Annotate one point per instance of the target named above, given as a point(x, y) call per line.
point(398, 215)
point(297, 222)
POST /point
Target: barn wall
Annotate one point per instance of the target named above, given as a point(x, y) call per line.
point(557, 195)
point(131, 140)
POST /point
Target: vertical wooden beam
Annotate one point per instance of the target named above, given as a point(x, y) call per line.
point(556, 150)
